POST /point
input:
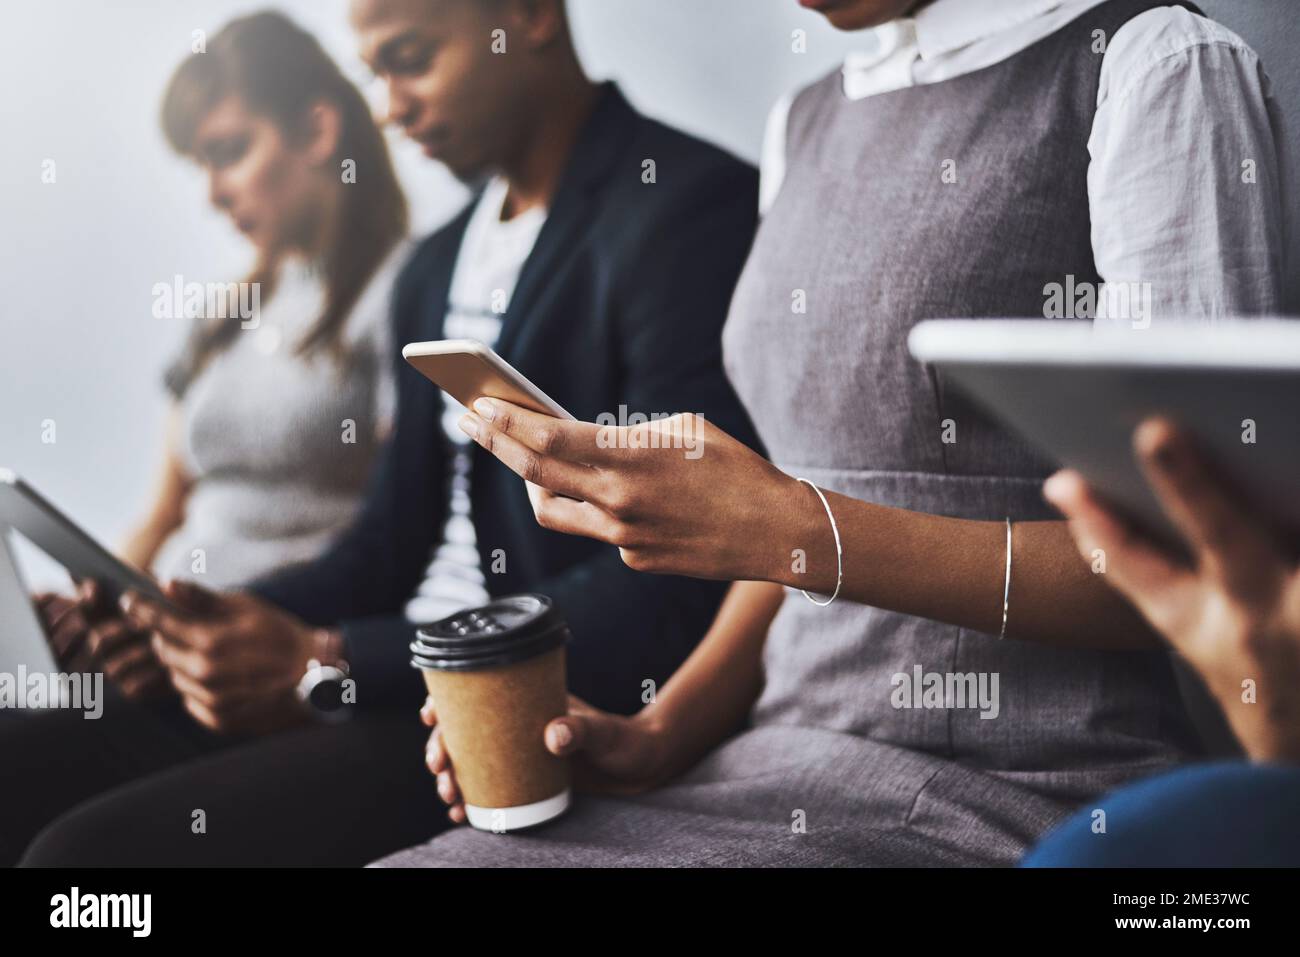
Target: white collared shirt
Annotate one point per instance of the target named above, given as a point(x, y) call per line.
point(1182, 123)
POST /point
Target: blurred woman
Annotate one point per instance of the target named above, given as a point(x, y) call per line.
point(276, 416)
point(276, 421)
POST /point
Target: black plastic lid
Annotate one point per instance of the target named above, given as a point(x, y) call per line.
point(502, 632)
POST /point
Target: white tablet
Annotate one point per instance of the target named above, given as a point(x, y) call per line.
point(1078, 391)
point(23, 509)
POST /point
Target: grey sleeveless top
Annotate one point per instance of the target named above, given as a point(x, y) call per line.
point(279, 445)
point(874, 237)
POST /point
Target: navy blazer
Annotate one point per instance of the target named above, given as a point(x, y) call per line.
point(621, 302)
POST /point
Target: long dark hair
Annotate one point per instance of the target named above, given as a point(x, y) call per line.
point(280, 71)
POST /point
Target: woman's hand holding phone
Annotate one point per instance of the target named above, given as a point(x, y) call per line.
point(670, 493)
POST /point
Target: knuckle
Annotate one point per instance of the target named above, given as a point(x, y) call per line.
point(204, 670)
point(530, 469)
point(548, 440)
point(619, 534)
point(619, 500)
point(1217, 532)
point(1251, 643)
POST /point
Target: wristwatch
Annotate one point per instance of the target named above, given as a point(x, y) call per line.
point(325, 684)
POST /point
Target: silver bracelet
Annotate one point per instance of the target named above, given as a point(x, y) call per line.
point(839, 551)
point(1006, 587)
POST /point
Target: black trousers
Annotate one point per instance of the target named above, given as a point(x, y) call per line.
point(146, 785)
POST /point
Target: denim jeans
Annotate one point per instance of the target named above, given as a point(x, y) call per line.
point(1208, 815)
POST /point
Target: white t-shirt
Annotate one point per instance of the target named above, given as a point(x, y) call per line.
point(492, 254)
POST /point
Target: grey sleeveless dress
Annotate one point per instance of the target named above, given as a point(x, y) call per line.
point(831, 771)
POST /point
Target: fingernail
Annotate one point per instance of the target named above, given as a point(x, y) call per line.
point(468, 426)
point(486, 409)
point(561, 737)
point(124, 602)
point(428, 760)
point(1053, 487)
point(444, 786)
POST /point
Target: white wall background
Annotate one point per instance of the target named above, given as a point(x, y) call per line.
point(80, 82)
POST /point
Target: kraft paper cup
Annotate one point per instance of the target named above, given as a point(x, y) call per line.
point(496, 675)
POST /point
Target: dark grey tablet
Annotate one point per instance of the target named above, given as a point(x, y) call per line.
point(22, 508)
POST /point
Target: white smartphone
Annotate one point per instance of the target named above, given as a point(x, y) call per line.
point(466, 369)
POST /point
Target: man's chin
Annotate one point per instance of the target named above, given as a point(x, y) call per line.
point(471, 174)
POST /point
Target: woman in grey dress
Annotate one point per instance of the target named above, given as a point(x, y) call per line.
point(919, 713)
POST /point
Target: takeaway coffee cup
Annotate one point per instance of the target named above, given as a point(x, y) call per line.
point(496, 677)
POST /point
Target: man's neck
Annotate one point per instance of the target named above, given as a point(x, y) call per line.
point(534, 174)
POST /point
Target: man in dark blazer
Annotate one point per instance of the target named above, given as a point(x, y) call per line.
point(619, 304)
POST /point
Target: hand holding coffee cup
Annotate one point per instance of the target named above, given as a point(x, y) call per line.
point(496, 677)
point(610, 753)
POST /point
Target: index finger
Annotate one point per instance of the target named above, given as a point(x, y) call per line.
point(148, 615)
point(566, 439)
point(1157, 585)
point(1228, 540)
point(106, 638)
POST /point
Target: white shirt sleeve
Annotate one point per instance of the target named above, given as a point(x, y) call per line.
point(1184, 185)
point(771, 164)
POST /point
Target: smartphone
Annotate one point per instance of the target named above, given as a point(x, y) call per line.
point(466, 369)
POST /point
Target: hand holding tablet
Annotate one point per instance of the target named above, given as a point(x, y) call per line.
point(1078, 393)
point(22, 508)
point(1233, 612)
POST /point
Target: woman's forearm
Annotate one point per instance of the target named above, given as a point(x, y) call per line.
point(168, 509)
point(953, 570)
point(724, 512)
point(709, 696)
point(141, 545)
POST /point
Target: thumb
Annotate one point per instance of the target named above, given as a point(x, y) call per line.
point(189, 596)
point(596, 733)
